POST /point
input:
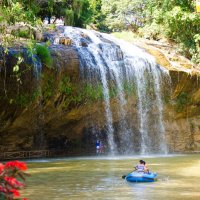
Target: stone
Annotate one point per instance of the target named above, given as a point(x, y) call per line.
point(84, 35)
point(65, 41)
point(38, 36)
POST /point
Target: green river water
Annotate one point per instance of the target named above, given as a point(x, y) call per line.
point(101, 178)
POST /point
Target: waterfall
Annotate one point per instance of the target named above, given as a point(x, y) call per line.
point(92, 58)
point(107, 60)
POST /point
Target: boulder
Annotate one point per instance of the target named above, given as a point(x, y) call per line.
point(65, 41)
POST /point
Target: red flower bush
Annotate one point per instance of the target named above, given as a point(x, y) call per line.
point(10, 175)
point(16, 165)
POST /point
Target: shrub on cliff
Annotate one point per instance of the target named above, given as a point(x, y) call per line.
point(44, 54)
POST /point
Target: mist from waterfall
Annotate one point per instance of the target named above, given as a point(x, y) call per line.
point(107, 60)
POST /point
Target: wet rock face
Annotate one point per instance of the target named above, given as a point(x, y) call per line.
point(182, 113)
point(26, 108)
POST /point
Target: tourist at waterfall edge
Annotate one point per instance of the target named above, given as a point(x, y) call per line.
point(97, 147)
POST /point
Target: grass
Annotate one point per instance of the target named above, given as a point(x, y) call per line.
point(126, 35)
point(44, 55)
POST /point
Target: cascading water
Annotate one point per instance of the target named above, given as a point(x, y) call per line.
point(93, 59)
point(109, 61)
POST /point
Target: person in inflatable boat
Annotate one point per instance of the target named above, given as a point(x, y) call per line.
point(141, 167)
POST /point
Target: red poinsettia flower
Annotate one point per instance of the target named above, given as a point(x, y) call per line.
point(1, 167)
point(13, 182)
point(21, 165)
point(9, 185)
point(15, 192)
point(1, 189)
point(16, 164)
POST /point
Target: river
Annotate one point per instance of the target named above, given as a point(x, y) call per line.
point(100, 178)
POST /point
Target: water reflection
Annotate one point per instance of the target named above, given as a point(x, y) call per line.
point(100, 178)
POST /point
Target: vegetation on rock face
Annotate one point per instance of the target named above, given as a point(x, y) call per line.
point(88, 92)
point(182, 101)
point(43, 53)
point(81, 93)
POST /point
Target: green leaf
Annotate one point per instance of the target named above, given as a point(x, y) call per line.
point(16, 68)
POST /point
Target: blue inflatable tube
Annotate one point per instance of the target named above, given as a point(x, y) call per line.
point(141, 177)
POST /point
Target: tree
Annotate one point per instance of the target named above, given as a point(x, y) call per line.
point(176, 20)
point(98, 17)
point(75, 12)
point(123, 14)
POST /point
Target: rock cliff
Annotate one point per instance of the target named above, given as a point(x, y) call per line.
point(58, 110)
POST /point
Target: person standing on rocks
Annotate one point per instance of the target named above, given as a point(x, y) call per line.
point(97, 147)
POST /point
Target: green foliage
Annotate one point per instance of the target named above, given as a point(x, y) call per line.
point(97, 16)
point(175, 20)
point(36, 93)
point(93, 92)
point(13, 11)
point(51, 27)
point(79, 94)
point(22, 33)
point(123, 14)
point(129, 89)
point(48, 88)
point(44, 54)
point(69, 19)
point(151, 31)
point(181, 101)
point(16, 68)
point(182, 26)
point(75, 12)
point(126, 35)
point(66, 86)
point(23, 100)
point(41, 51)
point(86, 92)
point(14, 14)
point(155, 19)
point(82, 12)
point(113, 90)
